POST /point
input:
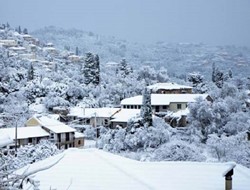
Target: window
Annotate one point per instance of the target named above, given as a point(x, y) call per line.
point(59, 137)
point(164, 107)
point(79, 142)
point(106, 122)
point(248, 136)
point(132, 107)
point(178, 106)
point(30, 140)
point(67, 136)
point(139, 107)
point(157, 108)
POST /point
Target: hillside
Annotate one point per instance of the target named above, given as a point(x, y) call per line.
point(179, 59)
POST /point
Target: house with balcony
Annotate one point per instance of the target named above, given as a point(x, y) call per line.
point(59, 133)
point(163, 102)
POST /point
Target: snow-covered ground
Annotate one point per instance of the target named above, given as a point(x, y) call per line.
point(95, 169)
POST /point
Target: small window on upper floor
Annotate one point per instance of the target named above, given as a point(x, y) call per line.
point(178, 106)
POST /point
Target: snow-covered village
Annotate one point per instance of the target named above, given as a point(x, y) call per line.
point(81, 110)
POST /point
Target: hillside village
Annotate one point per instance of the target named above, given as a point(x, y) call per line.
point(60, 99)
point(172, 98)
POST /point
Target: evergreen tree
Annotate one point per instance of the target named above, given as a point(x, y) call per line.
point(146, 108)
point(56, 67)
point(97, 72)
point(77, 51)
point(91, 69)
point(219, 78)
point(30, 72)
point(230, 73)
point(124, 68)
point(19, 30)
point(213, 72)
point(195, 79)
point(25, 31)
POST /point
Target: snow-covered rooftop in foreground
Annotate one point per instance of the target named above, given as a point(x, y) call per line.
point(24, 132)
point(164, 99)
point(92, 112)
point(95, 169)
point(167, 86)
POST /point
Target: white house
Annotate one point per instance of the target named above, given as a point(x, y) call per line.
point(25, 135)
point(122, 117)
point(163, 102)
point(92, 116)
point(62, 135)
point(170, 88)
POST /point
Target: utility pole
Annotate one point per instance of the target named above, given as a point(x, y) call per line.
point(16, 138)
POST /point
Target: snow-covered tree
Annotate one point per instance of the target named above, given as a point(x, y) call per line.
point(77, 50)
point(29, 154)
point(146, 108)
point(25, 31)
point(217, 77)
point(91, 69)
point(124, 69)
point(30, 72)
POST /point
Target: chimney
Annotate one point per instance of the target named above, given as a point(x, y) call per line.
point(228, 180)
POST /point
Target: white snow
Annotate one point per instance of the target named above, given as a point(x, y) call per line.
point(54, 125)
point(92, 112)
point(95, 169)
point(180, 113)
point(125, 114)
point(164, 99)
point(5, 139)
point(79, 135)
point(167, 86)
point(25, 132)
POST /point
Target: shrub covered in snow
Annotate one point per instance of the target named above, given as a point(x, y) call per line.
point(233, 148)
point(24, 156)
point(135, 138)
point(177, 151)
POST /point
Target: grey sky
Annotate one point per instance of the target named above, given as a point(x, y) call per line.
point(208, 21)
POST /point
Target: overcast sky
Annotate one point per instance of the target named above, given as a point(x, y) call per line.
point(213, 22)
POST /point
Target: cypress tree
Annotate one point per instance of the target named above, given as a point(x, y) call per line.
point(30, 72)
point(146, 108)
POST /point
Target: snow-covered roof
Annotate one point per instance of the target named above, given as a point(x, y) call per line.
point(17, 48)
point(49, 48)
point(54, 125)
point(5, 139)
point(92, 112)
point(125, 114)
point(164, 99)
point(95, 169)
point(112, 64)
point(167, 86)
point(180, 113)
point(79, 135)
point(24, 132)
